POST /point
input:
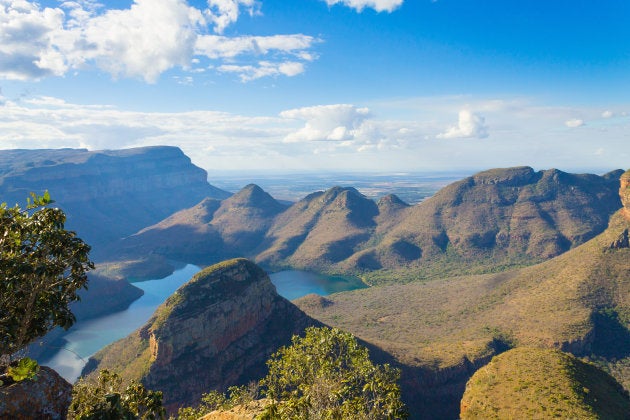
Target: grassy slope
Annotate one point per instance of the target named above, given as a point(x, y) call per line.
point(579, 302)
point(540, 383)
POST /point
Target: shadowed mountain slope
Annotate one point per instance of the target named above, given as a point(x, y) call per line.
point(493, 220)
point(578, 302)
point(536, 383)
point(496, 218)
point(204, 234)
point(320, 230)
point(107, 194)
point(215, 331)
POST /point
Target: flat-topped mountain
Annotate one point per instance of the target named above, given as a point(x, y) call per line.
point(215, 331)
point(446, 329)
point(107, 194)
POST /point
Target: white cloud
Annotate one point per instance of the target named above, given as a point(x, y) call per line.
point(142, 41)
point(214, 46)
point(574, 123)
point(223, 13)
point(470, 125)
point(333, 137)
point(263, 69)
point(378, 5)
point(327, 122)
point(608, 114)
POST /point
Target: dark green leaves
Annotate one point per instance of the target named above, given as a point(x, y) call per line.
point(42, 268)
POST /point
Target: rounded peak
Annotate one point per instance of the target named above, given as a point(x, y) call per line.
point(253, 196)
point(391, 201)
point(519, 381)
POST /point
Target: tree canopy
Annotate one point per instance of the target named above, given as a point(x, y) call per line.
point(42, 268)
point(328, 375)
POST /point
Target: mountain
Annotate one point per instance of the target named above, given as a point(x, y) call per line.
point(440, 332)
point(501, 217)
point(204, 234)
point(320, 230)
point(215, 331)
point(488, 222)
point(542, 383)
point(107, 194)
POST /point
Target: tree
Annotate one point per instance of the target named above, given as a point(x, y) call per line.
point(42, 267)
point(328, 375)
point(109, 400)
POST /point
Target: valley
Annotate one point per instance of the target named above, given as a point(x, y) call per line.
point(502, 259)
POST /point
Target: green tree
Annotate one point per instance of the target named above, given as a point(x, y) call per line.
point(43, 266)
point(108, 399)
point(328, 375)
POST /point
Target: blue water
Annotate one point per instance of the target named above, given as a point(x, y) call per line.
point(87, 337)
point(293, 284)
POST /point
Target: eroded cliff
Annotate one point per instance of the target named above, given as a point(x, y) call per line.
point(216, 331)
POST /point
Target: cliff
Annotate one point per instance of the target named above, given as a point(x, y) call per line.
point(216, 331)
point(107, 194)
point(624, 192)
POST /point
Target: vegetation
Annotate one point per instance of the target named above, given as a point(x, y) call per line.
point(538, 383)
point(43, 267)
point(109, 399)
point(327, 375)
point(214, 400)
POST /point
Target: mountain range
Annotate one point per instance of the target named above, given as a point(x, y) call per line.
point(507, 258)
point(495, 219)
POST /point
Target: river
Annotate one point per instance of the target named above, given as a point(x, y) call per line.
point(87, 337)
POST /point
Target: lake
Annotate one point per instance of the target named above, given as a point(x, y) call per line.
point(87, 337)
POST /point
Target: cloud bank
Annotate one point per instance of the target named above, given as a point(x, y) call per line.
point(335, 136)
point(142, 41)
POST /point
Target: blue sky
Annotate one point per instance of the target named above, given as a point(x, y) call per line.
point(359, 85)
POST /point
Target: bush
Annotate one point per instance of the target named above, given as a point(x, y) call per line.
point(327, 375)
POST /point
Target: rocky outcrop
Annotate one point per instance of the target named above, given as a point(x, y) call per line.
point(47, 396)
point(624, 192)
point(622, 241)
point(216, 331)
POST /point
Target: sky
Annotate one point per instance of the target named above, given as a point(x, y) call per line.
point(323, 85)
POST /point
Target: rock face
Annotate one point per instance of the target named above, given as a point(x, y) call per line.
point(624, 192)
point(107, 194)
point(216, 331)
point(46, 397)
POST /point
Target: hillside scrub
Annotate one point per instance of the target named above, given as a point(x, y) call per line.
point(542, 383)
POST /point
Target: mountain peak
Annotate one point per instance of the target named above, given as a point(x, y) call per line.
point(391, 201)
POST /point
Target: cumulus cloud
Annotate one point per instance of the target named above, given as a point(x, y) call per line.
point(142, 41)
point(225, 12)
point(608, 114)
point(340, 122)
point(378, 5)
point(470, 125)
point(574, 123)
